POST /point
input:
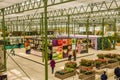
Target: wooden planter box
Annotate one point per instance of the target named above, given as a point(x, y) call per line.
point(101, 66)
point(118, 44)
point(91, 67)
point(65, 75)
point(87, 77)
point(112, 65)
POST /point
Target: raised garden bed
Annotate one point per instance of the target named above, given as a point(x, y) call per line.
point(118, 44)
point(112, 65)
point(64, 76)
point(100, 63)
point(87, 77)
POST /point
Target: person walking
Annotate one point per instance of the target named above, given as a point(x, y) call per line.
point(117, 73)
point(69, 53)
point(74, 55)
point(104, 76)
point(52, 64)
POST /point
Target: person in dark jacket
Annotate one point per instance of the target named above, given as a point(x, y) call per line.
point(117, 72)
point(104, 76)
point(74, 55)
point(52, 64)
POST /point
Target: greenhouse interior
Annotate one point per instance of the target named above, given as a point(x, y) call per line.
point(59, 39)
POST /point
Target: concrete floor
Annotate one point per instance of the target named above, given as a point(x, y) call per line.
point(36, 70)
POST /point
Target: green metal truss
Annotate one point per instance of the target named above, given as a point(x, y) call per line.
point(103, 9)
point(31, 5)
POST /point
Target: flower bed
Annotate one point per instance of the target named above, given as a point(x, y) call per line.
point(112, 63)
point(86, 73)
point(87, 63)
point(66, 73)
point(100, 56)
point(110, 55)
point(100, 63)
point(87, 77)
point(71, 65)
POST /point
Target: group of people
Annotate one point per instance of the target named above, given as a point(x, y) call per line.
point(116, 72)
point(71, 53)
point(27, 46)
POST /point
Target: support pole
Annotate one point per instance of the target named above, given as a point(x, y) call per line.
point(4, 37)
point(17, 25)
point(87, 30)
point(115, 33)
point(46, 38)
point(103, 24)
point(74, 28)
point(42, 35)
point(68, 26)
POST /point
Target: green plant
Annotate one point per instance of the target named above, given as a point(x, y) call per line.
point(112, 61)
point(69, 69)
point(65, 71)
point(85, 62)
point(99, 62)
point(118, 58)
point(71, 64)
point(110, 55)
point(86, 71)
point(101, 56)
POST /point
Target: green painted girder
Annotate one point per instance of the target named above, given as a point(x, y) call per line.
point(101, 14)
point(93, 9)
point(31, 5)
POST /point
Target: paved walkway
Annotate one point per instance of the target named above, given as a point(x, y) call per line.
point(36, 71)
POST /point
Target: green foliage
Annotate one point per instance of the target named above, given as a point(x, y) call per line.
point(85, 62)
point(110, 55)
point(106, 43)
point(101, 56)
point(118, 58)
point(112, 61)
point(65, 71)
point(86, 71)
point(71, 64)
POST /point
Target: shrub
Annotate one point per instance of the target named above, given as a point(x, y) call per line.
point(85, 62)
point(101, 56)
point(71, 64)
point(99, 62)
point(110, 55)
point(86, 70)
point(112, 61)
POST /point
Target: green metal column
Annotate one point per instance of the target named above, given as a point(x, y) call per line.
point(46, 38)
point(68, 25)
point(42, 35)
point(40, 29)
point(115, 31)
point(66, 29)
point(74, 27)
point(87, 30)
point(4, 37)
point(17, 24)
point(103, 25)
point(94, 27)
